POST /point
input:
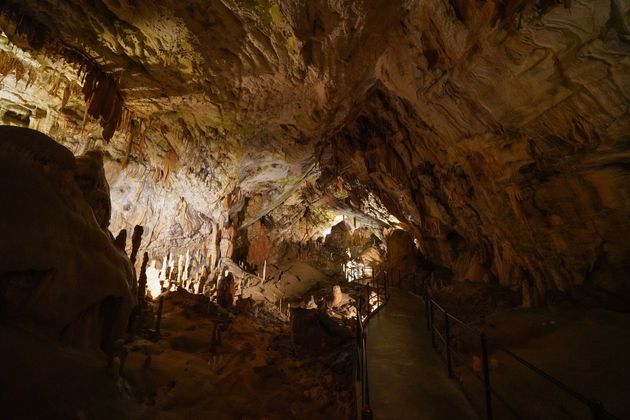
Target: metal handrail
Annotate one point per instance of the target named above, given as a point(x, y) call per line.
point(382, 288)
point(597, 409)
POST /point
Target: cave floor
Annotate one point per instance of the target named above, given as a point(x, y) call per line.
point(407, 378)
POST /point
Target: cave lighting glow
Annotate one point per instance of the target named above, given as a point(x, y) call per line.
point(338, 218)
point(355, 270)
point(153, 280)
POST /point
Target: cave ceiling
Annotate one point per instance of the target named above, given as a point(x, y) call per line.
point(227, 99)
point(474, 124)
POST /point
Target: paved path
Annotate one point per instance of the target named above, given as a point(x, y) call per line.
point(407, 378)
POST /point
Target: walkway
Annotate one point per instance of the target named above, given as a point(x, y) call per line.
point(407, 378)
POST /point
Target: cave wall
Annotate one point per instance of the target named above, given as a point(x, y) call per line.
point(499, 136)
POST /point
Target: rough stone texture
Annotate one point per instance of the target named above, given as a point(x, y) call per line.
point(226, 291)
point(496, 131)
point(503, 144)
point(92, 182)
point(401, 255)
point(313, 332)
point(260, 246)
point(60, 273)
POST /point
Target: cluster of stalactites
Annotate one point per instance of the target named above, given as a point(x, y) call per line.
point(101, 92)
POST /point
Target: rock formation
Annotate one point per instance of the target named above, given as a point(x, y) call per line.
point(61, 274)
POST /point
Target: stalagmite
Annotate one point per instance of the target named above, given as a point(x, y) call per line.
point(226, 244)
point(164, 268)
point(170, 273)
point(264, 273)
point(186, 267)
point(226, 290)
point(142, 280)
point(337, 297)
point(311, 303)
point(154, 279)
point(136, 239)
point(212, 247)
point(180, 269)
point(121, 239)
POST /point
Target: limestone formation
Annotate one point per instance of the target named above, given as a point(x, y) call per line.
point(62, 275)
point(121, 239)
point(90, 177)
point(142, 280)
point(337, 297)
point(136, 240)
point(226, 291)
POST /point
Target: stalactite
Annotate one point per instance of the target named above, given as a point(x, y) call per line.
point(170, 164)
point(32, 77)
point(9, 64)
point(101, 92)
point(104, 101)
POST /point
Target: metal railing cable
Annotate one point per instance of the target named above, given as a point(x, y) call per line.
point(445, 342)
point(374, 295)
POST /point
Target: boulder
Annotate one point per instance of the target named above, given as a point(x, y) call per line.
point(313, 332)
point(90, 177)
point(226, 291)
point(60, 273)
point(340, 237)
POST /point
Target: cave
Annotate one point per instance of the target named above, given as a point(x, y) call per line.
point(285, 209)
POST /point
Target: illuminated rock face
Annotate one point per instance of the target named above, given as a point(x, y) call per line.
point(60, 273)
point(503, 146)
point(496, 132)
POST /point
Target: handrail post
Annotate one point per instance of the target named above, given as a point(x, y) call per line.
point(447, 343)
point(486, 377)
point(426, 304)
point(367, 411)
point(432, 320)
point(359, 332)
point(597, 411)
